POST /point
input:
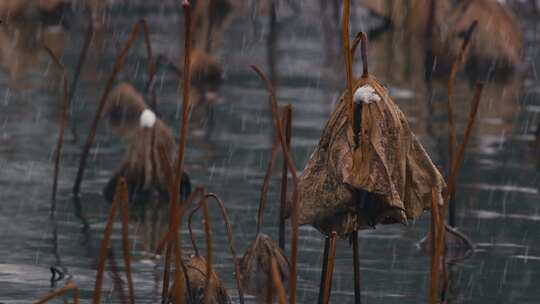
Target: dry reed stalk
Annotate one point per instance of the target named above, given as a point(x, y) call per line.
point(63, 123)
point(330, 268)
point(276, 277)
point(70, 286)
point(118, 65)
point(284, 178)
point(292, 168)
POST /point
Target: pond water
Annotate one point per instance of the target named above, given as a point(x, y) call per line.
point(498, 197)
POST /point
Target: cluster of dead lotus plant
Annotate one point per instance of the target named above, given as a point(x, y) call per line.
point(368, 169)
point(195, 281)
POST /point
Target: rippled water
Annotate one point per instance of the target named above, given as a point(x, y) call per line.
point(498, 196)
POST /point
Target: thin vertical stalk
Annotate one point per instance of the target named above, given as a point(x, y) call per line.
point(80, 63)
point(166, 274)
point(452, 179)
point(179, 281)
point(330, 270)
point(63, 123)
point(348, 59)
point(464, 141)
point(435, 258)
point(272, 43)
point(185, 98)
point(118, 283)
point(292, 168)
point(284, 178)
point(124, 199)
point(209, 253)
point(451, 119)
point(151, 65)
point(266, 182)
point(324, 268)
point(356, 265)
point(104, 247)
point(179, 168)
point(278, 285)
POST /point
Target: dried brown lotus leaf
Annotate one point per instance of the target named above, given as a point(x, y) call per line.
point(196, 273)
point(256, 266)
point(389, 164)
point(141, 165)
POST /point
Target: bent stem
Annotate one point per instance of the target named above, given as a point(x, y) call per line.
point(228, 227)
point(59, 292)
point(190, 228)
point(361, 37)
point(292, 168)
point(232, 248)
point(63, 124)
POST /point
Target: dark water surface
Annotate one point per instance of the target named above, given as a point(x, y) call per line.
point(498, 196)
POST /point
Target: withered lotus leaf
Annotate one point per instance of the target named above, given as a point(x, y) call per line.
point(141, 166)
point(387, 179)
point(197, 276)
point(256, 267)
